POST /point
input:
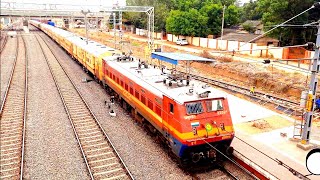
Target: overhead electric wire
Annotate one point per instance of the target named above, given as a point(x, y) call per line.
point(313, 6)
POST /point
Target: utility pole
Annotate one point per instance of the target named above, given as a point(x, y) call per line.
point(86, 23)
point(114, 30)
point(305, 140)
point(222, 24)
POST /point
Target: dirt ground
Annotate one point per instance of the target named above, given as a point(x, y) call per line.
point(265, 78)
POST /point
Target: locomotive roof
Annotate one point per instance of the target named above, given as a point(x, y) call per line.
point(152, 79)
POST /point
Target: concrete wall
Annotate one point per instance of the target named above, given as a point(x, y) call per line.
point(233, 45)
point(276, 53)
point(212, 44)
point(196, 41)
point(189, 39)
point(250, 49)
point(169, 37)
point(204, 42)
point(222, 44)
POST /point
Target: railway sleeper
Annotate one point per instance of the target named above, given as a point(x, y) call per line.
point(109, 173)
point(100, 154)
point(86, 126)
point(103, 161)
point(91, 142)
point(107, 167)
point(100, 150)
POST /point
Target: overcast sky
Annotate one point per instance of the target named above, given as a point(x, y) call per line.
point(75, 2)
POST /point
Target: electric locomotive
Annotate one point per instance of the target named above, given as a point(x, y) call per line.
point(191, 117)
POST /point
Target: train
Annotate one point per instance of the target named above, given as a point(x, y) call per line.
point(190, 117)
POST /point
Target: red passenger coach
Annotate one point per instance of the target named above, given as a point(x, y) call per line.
point(190, 116)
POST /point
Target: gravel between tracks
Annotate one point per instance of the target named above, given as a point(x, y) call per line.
point(51, 149)
point(7, 59)
point(144, 158)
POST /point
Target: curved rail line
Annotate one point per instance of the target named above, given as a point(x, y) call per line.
point(101, 158)
point(4, 42)
point(13, 116)
point(287, 106)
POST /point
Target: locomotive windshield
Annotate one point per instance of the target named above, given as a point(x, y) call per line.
point(194, 108)
point(214, 105)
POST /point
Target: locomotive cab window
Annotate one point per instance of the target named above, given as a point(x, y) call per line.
point(214, 105)
point(171, 107)
point(194, 108)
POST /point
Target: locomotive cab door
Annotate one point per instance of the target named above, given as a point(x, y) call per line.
point(168, 115)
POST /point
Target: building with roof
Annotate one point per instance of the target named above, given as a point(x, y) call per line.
point(256, 25)
point(245, 37)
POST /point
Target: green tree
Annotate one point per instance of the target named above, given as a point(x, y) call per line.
point(249, 27)
point(232, 15)
point(250, 11)
point(189, 23)
point(140, 20)
point(214, 14)
point(278, 11)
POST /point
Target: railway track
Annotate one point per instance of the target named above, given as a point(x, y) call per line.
point(13, 116)
point(289, 107)
point(3, 42)
point(219, 172)
point(101, 158)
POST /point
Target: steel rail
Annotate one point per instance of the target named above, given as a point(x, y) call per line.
point(67, 111)
point(25, 108)
point(228, 172)
point(93, 115)
point(4, 42)
point(15, 70)
point(10, 79)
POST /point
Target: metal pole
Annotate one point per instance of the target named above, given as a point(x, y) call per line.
point(120, 29)
point(86, 26)
point(85, 23)
point(313, 89)
point(114, 30)
point(224, 7)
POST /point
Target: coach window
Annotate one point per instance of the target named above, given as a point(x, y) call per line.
point(158, 110)
point(171, 107)
point(150, 104)
point(126, 86)
point(143, 99)
point(131, 90)
point(137, 94)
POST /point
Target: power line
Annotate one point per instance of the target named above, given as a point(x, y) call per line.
point(313, 6)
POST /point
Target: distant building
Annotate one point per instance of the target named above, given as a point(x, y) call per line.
point(256, 25)
point(245, 37)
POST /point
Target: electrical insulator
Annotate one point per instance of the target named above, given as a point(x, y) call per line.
point(310, 46)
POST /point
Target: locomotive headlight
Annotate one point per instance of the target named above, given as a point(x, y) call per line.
point(208, 127)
